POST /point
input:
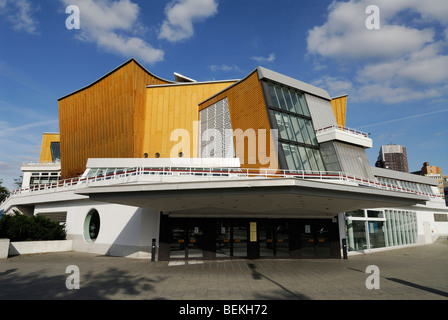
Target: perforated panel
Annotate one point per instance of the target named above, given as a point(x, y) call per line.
point(216, 134)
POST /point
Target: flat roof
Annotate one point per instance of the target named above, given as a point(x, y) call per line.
point(398, 175)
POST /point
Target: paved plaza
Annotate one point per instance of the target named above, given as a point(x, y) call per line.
point(413, 273)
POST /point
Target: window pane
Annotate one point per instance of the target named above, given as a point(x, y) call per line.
point(389, 238)
point(313, 162)
point(376, 234)
point(375, 214)
point(357, 213)
point(281, 99)
point(356, 232)
point(288, 156)
point(273, 96)
point(296, 128)
point(295, 155)
point(403, 228)
point(296, 102)
point(320, 163)
point(399, 227)
point(288, 128)
point(304, 157)
point(304, 131)
point(414, 226)
point(288, 99)
point(311, 132)
point(281, 126)
point(304, 106)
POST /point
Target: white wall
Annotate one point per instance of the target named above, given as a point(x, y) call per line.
point(428, 229)
point(124, 230)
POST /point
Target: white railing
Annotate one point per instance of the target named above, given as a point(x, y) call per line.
point(349, 130)
point(113, 175)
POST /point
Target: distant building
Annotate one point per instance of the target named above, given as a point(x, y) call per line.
point(436, 173)
point(393, 157)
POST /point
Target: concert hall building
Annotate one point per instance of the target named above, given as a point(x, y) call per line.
point(259, 167)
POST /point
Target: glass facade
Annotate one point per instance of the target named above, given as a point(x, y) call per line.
point(297, 137)
point(38, 178)
point(371, 229)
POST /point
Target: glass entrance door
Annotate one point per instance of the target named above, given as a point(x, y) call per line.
point(273, 237)
point(315, 239)
point(239, 236)
point(186, 240)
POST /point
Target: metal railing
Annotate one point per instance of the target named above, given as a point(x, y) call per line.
point(115, 175)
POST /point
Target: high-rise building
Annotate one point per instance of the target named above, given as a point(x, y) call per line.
point(393, 157)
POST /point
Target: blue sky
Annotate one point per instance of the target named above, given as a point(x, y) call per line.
point(396, 76)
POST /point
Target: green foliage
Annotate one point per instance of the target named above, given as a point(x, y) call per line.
point(4, 193)
point(19, 227)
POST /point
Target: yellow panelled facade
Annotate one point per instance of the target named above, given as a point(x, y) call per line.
point(45, 152)
point(105, 119)
point(175, 107)
point(248, 111)
point(339, 105)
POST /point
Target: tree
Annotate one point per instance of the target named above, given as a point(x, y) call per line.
point(18, 183)
point(4, 193)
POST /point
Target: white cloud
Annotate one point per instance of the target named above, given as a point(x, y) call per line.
point(224, 67)
point(180, 16)
point(335, 85)
point(112, 25)
point(345, 35)
point(404, 60)
point(270, 58)
point(20, 14)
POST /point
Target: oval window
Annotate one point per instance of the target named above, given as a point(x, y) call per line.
point(91, 226)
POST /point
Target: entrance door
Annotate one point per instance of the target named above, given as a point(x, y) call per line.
point(315, 239)
point(231, 238)
point(186, 240)
point(273, 237)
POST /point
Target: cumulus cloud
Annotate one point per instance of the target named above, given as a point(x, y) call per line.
point(112, 25)
point(180, 16)
point(20, 13)
point(404, 60)
point(336, 85)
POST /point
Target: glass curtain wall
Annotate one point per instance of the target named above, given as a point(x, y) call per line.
point(296, 132)
point(371, 229)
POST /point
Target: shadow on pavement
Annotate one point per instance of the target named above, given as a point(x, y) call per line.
point(284, 293)
point(420, 287)
point(40, 286)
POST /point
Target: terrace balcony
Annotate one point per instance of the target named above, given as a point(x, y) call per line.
point(344, 134)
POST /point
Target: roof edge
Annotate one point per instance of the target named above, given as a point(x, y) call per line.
point(231, 86)
point(264, 73)
point(189, 83)
point(109, 73)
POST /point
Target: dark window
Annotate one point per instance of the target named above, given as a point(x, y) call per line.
point(55, 151)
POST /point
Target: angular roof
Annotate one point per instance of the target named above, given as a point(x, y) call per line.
point(109, 73)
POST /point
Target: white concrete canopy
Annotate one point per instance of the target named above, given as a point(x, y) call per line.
point(251, 197)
